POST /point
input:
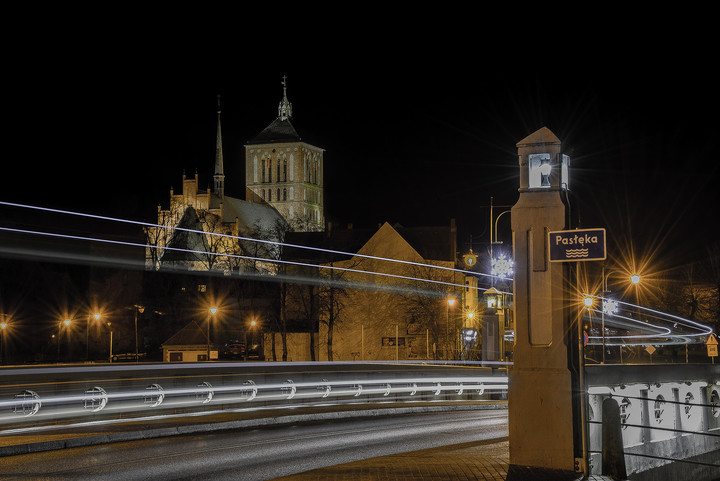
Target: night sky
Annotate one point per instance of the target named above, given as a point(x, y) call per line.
point(411, 134)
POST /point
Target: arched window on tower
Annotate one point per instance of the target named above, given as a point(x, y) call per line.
point(269, 170)
point(285, 170)
point(263, 194)
point(262, 168)
point(278, 194)
point(284, 194)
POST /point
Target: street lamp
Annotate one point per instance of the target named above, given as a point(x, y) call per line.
point(450, 303)
point(139, 309)
point(610, 306)
point(213, 310)
point(67, 323)
point(97, 317)
point(3, 326)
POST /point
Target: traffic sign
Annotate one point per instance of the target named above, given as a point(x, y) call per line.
point(712, 346)
point(577, 245)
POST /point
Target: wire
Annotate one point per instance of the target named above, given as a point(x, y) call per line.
point(237, 256)
point(251, 239)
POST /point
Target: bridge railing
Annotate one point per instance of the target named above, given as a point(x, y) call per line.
point(668, 413)
point(44, 396)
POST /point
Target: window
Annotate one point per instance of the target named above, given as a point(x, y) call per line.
point(269, 170)
point(262, 167)
point(269, 195)
point(263, 194)
point(284, 170)
point(278, 194)
point(540, 168)
point(284, 194)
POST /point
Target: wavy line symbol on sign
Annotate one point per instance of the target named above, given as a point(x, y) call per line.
point(576, 253)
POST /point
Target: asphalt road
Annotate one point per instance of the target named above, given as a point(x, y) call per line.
point(258, 454)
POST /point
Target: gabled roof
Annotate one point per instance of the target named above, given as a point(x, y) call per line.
point(280, 130)
point(185, 241)
point(190, 335)
point(432, 243)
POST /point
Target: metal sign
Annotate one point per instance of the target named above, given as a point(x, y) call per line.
point(577, 245)
point(712, 346)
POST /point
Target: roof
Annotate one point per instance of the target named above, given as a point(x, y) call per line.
point(432, 243)
point(187, 240)
point(190, 335)
point(254, 216)
point(280, 130)
point(260, 221)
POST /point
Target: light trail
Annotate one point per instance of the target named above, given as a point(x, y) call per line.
point(676, 334)
point(39, 405)
point(238, 256)
point(701, 329)
point(250, 239)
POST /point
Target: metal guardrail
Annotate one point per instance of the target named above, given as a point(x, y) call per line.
point(665, 414)
point(50, 396)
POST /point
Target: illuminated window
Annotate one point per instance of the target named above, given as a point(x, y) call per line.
point(540, 169)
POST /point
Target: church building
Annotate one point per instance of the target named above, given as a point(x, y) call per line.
point(286, 172)
point(284, 191)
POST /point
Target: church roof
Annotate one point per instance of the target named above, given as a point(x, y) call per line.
point(185, 245)
point(190, 335)
point(252, 215)
point(280, 130)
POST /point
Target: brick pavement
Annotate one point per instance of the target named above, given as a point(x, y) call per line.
point(470, 461)
point(478, 461)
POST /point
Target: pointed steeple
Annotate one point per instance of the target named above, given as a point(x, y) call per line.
point(219, 176)
point(285, 107)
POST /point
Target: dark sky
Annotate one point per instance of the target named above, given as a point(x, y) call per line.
point(412, 134)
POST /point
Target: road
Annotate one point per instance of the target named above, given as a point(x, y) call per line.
point(258, 454)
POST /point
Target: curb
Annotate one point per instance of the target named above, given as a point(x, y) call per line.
point(115, 437)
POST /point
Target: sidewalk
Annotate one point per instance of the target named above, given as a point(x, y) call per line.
point(481, 461)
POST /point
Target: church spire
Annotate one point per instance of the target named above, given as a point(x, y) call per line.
point(285, 107)
point(219, 176)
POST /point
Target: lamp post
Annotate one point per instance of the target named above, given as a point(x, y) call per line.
point(67, 323)
point(635, 280)
point(138, 309)
point(97, 317)
point(3, 326)
point(450, 303)
point(213, 310)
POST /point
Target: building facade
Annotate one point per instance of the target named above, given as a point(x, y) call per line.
point(286, 173)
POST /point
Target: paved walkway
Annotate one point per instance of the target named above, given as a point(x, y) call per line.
point(482, 460)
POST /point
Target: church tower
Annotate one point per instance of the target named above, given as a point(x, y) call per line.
point(285, 172)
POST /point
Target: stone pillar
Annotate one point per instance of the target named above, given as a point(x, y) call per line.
point(540, 390)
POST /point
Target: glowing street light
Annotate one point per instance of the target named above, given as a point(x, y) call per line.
point(588, 301)
point(450, 303)
point(213, 310)
point(97, 317)
point(635, 279)
point(3, 326)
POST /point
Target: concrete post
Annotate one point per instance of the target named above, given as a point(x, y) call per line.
point(613, 455)
point(541, 422)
